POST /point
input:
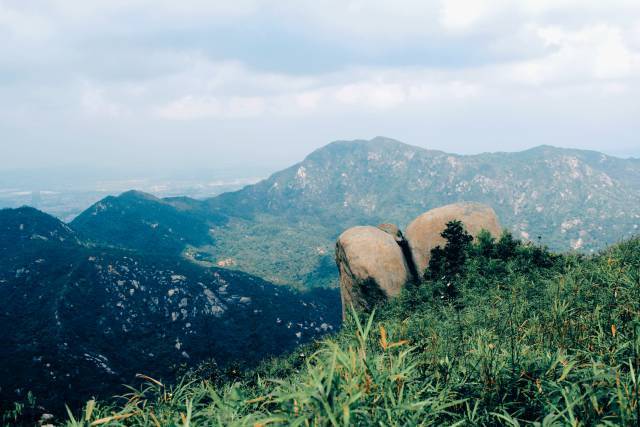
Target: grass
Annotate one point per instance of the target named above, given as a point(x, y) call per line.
point(532, 338)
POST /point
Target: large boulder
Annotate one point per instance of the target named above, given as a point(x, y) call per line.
point(423, 234)
point(371, 265)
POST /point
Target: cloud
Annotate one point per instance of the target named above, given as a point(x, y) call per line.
point(463, 15)
point(597, 52)
point(95, 103)
point(355, 90)
point(18, 25)
point(193, 107)
point(331, 69)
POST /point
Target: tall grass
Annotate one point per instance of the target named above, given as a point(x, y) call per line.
point(533, 339)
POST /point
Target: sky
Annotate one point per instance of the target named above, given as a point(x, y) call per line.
point(177, 85)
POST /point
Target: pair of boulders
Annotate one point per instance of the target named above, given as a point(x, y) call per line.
point(376, 262)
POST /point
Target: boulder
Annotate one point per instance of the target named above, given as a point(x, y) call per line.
point(423, 234)
point(371, 265)
point(393, 230)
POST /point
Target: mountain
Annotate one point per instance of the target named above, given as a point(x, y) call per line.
point(139, 284)
point(383, 179)
point(147, 223)
point(283, 229)
point(86, 318)
point(572, 199)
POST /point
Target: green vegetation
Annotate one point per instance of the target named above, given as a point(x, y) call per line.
point(447, 264)
point(284, 228)
point(530, 337)
point(284, 252)
point(82, 319)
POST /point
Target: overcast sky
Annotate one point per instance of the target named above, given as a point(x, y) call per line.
point(212, 83)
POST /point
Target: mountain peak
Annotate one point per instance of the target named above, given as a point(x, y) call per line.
point(25, 213)
point(384, 141)
point(137, 194)
point(346, 147)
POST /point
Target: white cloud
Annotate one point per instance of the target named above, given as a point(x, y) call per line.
point(164, 10)
point(462, 15)
point(362, 89)
point(94, 102)
point(591, 53)
point(16, 24)
point(376, 95)
point(193, 107)
point(183, 64)
point(308, 100)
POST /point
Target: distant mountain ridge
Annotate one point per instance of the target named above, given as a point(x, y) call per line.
point(283, 228)
point(371, 178)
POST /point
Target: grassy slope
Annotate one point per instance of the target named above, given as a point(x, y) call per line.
point(537, 337)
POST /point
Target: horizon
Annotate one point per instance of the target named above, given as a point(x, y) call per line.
point(28, 191)
point(232, 169)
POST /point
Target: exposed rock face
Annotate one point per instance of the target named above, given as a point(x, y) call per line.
point(376, 262)
point(423, 233)
point(372, 266)
point(393, 230)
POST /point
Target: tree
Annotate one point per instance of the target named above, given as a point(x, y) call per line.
point(507, 246)
point(447, 263)
point(486, 244)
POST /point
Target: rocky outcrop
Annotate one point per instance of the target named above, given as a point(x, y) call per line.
point(376, 262)
point(423, 233)
point(372, 267)
point(395, 232)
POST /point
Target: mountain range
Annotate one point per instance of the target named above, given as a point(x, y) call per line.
point(283, 228)
point(140, 284)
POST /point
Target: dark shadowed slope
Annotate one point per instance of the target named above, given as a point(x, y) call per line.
point(84, 318)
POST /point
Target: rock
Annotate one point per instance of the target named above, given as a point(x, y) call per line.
point(423, 234)
point(393, 230)
point(376, 262)
point(371, 265)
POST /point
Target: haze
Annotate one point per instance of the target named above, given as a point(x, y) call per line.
point(141, 86)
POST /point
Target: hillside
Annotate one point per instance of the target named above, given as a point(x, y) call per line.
point(283, 228)
point(86, 318)
point(22, 227)
point(529, 337)
point(143, 222)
